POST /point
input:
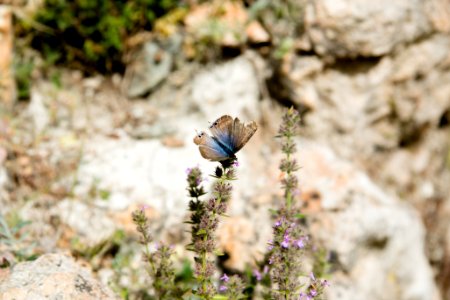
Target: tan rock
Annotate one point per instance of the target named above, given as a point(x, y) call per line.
point(7, 83)
point(256, 33)
point(52, 276)
point(352, 28)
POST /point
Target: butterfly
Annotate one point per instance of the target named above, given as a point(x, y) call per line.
point(228, 137)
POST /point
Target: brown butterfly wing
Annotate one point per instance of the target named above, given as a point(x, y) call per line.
point(241, 133)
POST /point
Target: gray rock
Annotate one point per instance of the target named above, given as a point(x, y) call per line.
point(352, 28)
point(151, 65)
point(52, 277)
point(229, 88)
point(38, 111)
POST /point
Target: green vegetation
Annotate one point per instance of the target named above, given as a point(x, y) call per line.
point(13, 240)
point(90, 35)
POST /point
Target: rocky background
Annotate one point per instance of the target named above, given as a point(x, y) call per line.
point(371, 79)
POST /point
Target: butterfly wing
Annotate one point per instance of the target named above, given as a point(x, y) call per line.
point(221, 130)
point(210, 148)
point(241, 133)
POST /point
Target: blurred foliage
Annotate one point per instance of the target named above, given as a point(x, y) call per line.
point(96, 254)
point(23, 67)
point(89, 35)
point(14, 240)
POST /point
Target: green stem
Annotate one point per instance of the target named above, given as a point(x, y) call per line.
point(288, 190)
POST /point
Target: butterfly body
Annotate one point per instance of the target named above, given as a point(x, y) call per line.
point(228, 137)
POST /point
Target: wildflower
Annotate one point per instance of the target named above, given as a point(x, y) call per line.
point(222, 288)
point(304, 296)
point(325, 283)
point(257, 274)
point(285, 242)
point(313, 292)
point(300, 243)
point(270, 247)
point(277, 223)
point(225, 278)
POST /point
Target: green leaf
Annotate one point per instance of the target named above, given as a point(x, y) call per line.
point(300, 216)
point(201, 232)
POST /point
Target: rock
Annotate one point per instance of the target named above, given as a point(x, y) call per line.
point(38, 112)
point(227, 29)
point(421, 58)
point(94, 227)
point(439, 14)
point(51, 276)
point(231, 88)
point(7, 81)
point(352, 28)
point(226, 23)
point(150, 66)
point(374, 235)
point(256, 33)
point(366, 109)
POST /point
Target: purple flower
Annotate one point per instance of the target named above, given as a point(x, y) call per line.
point(222, 288)
point(277, 223)
point(311, 275)
point(257, 274)
point(300, 242)
point(285, 242)
point(270, 260)
point(304, 296)
point(236, 164)
point(188, 171)
point(144, 207)
point(313, 292)
point(325, 283)
point(224, 278)
point(266, 269)
point(270, 245)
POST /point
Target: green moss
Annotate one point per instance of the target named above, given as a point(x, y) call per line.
point(90, 35)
